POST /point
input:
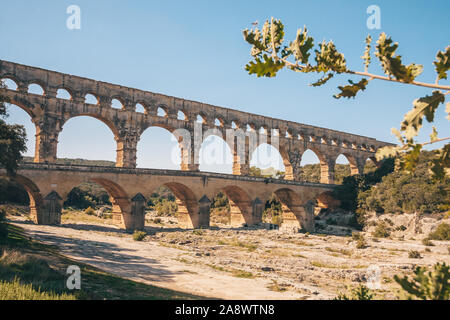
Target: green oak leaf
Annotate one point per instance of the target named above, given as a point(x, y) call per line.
point(322, 80)
point(329, 59)
point(366, 56)
point(350, 91)
point(267, 67)
point(387, 152)
point(398, 135)
point(254, 38)
point(276, 33)
point(423, 107)
point(442, 63)
point(391, 64)
point(301, 45)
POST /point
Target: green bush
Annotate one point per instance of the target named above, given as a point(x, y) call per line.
point(87, 195)
point(89, 211)
point(426, 285)
point(413, 254)
point(402, 192)
point(139, 235)
point(381, 230)
point(361, 243)
point(359, 293)
point(427, 242)
point(442, 232)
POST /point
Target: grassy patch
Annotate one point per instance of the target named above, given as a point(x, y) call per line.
point(14, 290)
point(236, 243)
point(275, 286)
point(242, 274)
point(341, 251)
point(139, 235)
point(29, 269)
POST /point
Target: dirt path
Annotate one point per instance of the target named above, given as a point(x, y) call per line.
point(151, 263)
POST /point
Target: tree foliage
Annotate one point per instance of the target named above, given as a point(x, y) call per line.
point(404, 192)
point(427, 285)
point(361, 292)
point(271, 54)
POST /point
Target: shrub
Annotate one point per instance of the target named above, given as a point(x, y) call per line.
point(361, 243)
point(356, 236)
point(359, 293)
point(442, 232)
point(381, 230)
point(198, 232)
point(400, 191)
point(400, 228)
point(413, 254)
point(427, 242)
point(157, 220)
point(431, 285)
point(139, 235)
point(89, 211)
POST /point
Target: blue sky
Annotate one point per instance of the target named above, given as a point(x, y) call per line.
point(195, 50)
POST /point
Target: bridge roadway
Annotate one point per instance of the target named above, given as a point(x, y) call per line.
point(49, 184)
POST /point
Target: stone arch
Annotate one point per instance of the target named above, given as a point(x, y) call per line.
point(201, 118)
point(35, 84)
point(109, 124)
point(188, 208)
point(267, 155)
point(369, 161)
point(326, 165)
point(240, 206)
point(296, 214)
point(182, 115)
point(118, 103)
point(354, 169)
point(162, 111)
point(215, 152)
point(63, 91)
point(36, 198)
point(140, 108)
point(90, 97)
point(11, 79)
point(174, 157)
point(34, 110)
point(34, 119)
point(121, 206)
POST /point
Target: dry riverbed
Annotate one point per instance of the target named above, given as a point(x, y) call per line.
point(238, 263)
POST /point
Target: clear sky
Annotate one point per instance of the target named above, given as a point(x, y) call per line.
point(195, 50)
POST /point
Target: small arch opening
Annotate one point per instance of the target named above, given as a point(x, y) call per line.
point(90, 99)
point(117, 104)
point(310, 167)
point(35, 88)
point(201, 119)
point(9, 84)
point(63, 94)
point(266, 161)
point(181, 115)
point(161, 112)
point(140, 108)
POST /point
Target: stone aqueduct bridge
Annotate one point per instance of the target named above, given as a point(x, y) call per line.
point(48, 183)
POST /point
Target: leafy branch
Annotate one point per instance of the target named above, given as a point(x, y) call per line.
point(271, 54)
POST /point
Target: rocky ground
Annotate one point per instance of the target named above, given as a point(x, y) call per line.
point(250, 263)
